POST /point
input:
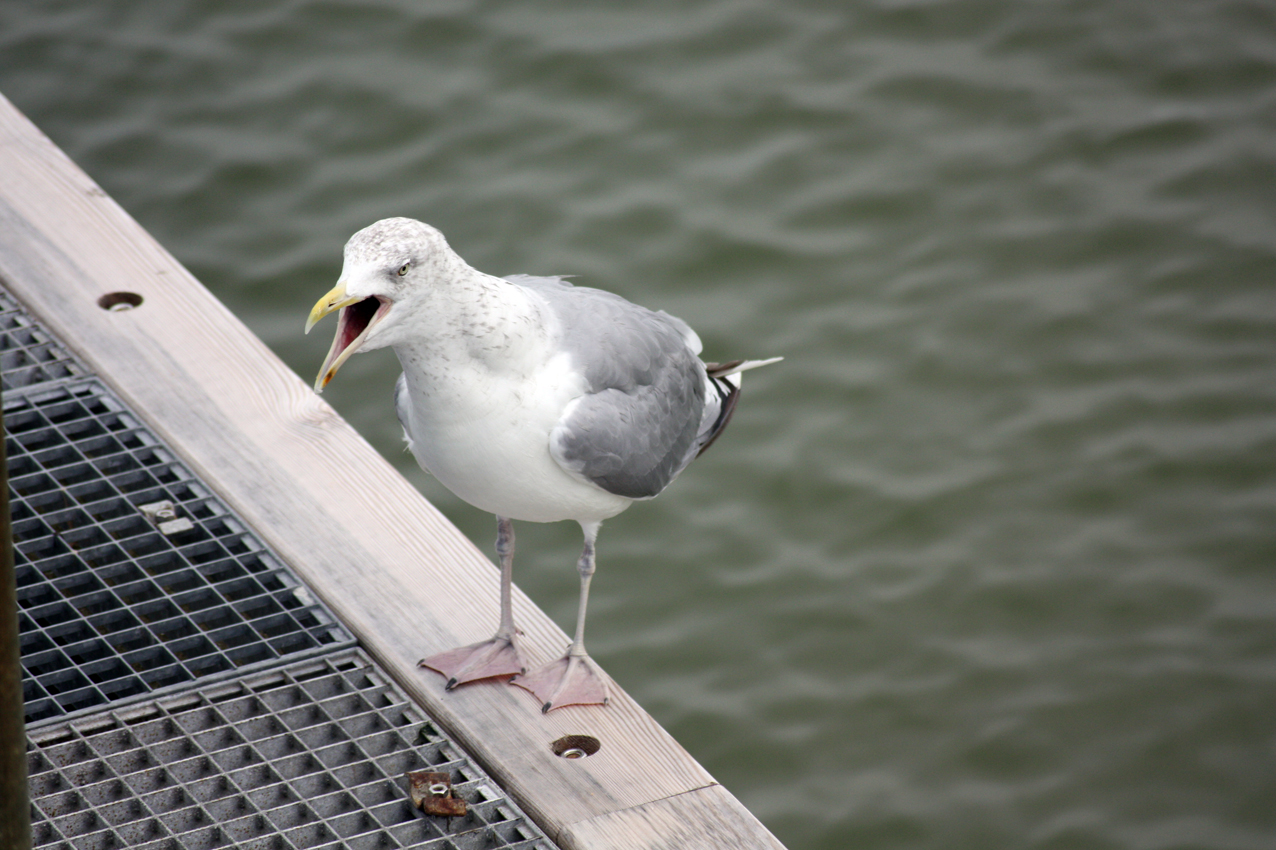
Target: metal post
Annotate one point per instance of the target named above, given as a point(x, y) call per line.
point(15, 801)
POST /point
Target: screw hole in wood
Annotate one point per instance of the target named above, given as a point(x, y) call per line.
point(575, 746)
point(117, 301)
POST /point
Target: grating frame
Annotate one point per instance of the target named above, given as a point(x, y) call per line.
point(29, 354)
point(119, 594)
point(311, 755)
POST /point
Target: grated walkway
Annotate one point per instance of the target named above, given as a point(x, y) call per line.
point(183, 687)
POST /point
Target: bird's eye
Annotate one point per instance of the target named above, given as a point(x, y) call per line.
point(403, 269)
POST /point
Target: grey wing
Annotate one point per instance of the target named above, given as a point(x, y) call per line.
point(631, 443)
point(641, 421)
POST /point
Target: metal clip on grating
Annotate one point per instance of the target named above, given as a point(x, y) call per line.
point(310, 756)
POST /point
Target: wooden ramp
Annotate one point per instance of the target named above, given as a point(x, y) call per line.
point(396, 573)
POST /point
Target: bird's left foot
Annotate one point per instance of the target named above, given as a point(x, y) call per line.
point(571, 680)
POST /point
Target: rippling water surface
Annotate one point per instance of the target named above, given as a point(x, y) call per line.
point(990, 560)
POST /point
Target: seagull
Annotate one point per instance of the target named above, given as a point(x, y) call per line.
point(532, 399)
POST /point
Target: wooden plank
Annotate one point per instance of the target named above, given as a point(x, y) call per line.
point(705, 819)
point(400, 576)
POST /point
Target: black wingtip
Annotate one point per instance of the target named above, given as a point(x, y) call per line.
point(730, 395)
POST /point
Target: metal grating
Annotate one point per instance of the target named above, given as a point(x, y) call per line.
point(309, 756)
point(140, 597)
point(116, 601)
point(28, 355)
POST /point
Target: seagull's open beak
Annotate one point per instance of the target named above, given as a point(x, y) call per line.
point(358, 317)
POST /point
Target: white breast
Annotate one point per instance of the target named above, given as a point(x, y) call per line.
point(485, 435)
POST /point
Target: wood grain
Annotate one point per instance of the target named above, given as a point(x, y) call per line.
point(400, 576)
point(705, 819)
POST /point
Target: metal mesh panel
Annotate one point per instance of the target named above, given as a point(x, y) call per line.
point(119, 593)
point(310, 756)
point(140, 597)
point(28, 355)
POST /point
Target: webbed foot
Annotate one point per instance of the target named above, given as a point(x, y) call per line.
point(571, 680)
point(496, 656)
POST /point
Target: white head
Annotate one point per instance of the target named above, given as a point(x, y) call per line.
point(388, 271)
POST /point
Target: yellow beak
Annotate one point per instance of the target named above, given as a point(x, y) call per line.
point(343, 344)
point(330, 303)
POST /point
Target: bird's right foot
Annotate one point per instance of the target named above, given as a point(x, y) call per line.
point(497, 656)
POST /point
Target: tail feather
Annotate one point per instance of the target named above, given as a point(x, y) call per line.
point(735, 367)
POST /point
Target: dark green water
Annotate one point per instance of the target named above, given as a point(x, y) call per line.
point(990, 560)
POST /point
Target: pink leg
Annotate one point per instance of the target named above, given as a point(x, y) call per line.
point(573, 679)
point(499, 655)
